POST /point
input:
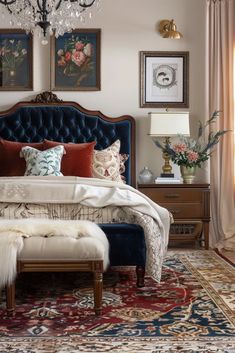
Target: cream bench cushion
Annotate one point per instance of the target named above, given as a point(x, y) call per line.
point(61, 248)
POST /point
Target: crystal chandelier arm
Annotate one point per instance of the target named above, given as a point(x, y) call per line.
point(42, 10)
point(82, 4)
point(39, 7)
point(42, 7)
point(7, 2)
point(58, 16)
point(58, 5)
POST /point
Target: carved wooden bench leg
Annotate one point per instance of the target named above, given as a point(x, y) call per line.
point(140, 273)
point(98, 291)
point(10, 298)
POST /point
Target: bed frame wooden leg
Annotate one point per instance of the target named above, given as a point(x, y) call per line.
point(10, 298)
point(98, 292)
point(140, 273)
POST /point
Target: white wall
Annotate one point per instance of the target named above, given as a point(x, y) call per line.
point(130, 26)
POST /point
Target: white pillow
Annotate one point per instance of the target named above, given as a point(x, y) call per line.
point(43, 163)
point(109, 163)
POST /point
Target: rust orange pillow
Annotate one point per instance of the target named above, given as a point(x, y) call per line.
point(78, 158)
point(10, 162)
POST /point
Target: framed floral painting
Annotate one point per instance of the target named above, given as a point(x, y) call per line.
point(75, 62)
point(164, 79)
point(16, 60)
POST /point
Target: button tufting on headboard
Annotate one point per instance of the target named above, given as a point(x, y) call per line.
point(69, 122)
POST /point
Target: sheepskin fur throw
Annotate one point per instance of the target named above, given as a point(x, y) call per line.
point(13, 232)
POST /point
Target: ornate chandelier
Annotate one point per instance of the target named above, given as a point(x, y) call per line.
point(60, 16)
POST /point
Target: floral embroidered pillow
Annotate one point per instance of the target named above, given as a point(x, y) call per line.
point(109, 163)
point(43, 163)
point(123, 158)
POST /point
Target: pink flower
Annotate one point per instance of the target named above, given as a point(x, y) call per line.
point(79, 45)
point(192, 156)
point(78, 58)
point(68, 56)
point(179, 147)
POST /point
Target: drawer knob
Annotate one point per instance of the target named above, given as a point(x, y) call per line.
point(172, 196)
point(175, 211)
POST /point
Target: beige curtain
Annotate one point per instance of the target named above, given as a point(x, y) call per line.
point(220, 96)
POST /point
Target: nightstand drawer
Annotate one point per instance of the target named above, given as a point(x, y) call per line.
point(188, 203)
point(185, 211)
point(173, 195)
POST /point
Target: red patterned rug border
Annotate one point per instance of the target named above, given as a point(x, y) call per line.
point(117, 345)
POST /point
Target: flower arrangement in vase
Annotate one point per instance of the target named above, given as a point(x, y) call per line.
point(12, 56)
point(190, 153)
point(76, 58)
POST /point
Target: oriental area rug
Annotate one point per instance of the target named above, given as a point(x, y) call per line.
point(192, 310)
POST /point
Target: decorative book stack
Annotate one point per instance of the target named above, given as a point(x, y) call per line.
point(165, 180)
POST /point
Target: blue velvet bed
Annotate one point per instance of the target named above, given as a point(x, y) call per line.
point(47, 117)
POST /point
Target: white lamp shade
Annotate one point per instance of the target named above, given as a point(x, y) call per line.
point(169, 124)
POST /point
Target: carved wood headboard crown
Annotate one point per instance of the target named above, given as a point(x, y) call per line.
point(46, 97)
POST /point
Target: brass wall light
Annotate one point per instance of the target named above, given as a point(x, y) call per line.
point(168, 29)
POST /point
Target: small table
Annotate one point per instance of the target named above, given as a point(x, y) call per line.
point(189, 205)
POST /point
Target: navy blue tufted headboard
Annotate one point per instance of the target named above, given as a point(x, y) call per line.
point(69, 122)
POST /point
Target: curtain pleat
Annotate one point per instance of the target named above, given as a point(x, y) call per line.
point(220, 43)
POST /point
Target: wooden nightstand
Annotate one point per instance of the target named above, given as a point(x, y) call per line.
point(189, 205)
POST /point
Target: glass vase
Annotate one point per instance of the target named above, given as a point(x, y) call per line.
point(188, 174)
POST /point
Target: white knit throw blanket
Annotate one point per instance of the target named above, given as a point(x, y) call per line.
point(13, 232)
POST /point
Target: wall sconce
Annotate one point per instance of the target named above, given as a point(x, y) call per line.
point(168, 29)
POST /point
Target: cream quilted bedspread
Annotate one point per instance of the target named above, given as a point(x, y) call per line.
point(88, 199)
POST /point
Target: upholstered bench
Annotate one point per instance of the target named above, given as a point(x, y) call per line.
point(62, 254)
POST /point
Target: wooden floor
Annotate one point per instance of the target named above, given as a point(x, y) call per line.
point(230, 255)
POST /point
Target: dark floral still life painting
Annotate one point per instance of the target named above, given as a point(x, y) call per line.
point(15, 60)
point(77, 61)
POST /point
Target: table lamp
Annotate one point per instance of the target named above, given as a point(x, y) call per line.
point(167, 125)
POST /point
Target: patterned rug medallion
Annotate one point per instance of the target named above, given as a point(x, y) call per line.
point(191, 311)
